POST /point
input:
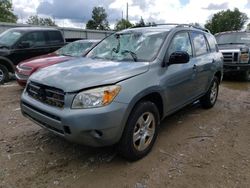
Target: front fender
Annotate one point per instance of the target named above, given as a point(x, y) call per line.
point(138, 97)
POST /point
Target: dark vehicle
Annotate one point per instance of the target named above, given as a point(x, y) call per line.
point(19, 44)
point(234, 46)
point(68, 52)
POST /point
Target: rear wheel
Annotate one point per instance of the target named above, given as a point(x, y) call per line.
point(4, 74)
point(140, 132)
point(210, 98)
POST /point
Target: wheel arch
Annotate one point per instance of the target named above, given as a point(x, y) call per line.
point(7, 63)
point(153, 94)
point(219, 75)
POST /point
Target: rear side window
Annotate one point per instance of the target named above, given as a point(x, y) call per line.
point(34, 39)
point(212, 43)
point(55, 37)
point(200, 44)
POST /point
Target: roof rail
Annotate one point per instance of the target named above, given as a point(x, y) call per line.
point(176, 25)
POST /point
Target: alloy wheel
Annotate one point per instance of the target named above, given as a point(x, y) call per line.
point(144, 131)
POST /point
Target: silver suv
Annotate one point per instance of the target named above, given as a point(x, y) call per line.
point(120, 92)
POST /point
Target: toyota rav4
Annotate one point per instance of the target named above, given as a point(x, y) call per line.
point(119, 93)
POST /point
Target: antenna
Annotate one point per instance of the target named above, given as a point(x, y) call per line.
point(127, 12)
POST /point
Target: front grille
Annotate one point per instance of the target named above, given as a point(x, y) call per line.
point(45, 94)
point(231, 57)
point(21, 76)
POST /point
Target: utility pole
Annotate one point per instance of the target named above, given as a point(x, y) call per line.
point(127, 12)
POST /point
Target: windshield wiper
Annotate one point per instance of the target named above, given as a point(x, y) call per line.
point(133, 54)
point(230, 43)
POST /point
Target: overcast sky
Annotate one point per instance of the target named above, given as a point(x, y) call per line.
point(75, 13)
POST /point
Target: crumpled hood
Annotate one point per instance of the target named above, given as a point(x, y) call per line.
point(233, 46)
point(83, 73)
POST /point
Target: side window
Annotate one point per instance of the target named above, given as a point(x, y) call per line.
point(180, 42)
point(212, 43)
point(34, 39)
point(200, 44)
point(55, 37)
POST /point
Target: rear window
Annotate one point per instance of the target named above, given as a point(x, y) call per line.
point(212, 43)
point(55, 37)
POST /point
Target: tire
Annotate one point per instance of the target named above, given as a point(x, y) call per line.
point(139, 136)
point(4, 74)
point(246, 75)
point(210, 98)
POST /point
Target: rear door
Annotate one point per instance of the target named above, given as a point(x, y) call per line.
point(180, 78)
point(203, 59)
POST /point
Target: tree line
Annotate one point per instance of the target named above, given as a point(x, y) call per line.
point(225, 20)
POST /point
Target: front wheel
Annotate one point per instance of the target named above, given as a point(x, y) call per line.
point(246, 75)
point(210, 98)
point(140, 132)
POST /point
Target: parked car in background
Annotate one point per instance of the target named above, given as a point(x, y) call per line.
point(124, 87)
point(23, 43)
point(68, 52)
point(235, 46)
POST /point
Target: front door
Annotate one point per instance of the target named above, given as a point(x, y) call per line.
point(179, 79)
point(30, 45)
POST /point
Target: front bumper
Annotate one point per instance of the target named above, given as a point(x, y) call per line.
point(237, 67)
point(93, 127)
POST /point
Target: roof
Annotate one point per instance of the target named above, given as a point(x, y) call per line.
point(33, 29)
point(166, 27)
point(228, 32)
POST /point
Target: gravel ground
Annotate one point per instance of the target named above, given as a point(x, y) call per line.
point(195, 148)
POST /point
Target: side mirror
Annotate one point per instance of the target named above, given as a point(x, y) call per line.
point(179, 57)
point(24, 45)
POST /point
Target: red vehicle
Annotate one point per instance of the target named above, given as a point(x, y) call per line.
point(68, 52)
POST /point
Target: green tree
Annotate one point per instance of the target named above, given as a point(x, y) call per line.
point(141, 23)
point(36, 20)
point(123, 24)
point(99, 19)
point(150, 24)
point(6, 12)
point(226, 21)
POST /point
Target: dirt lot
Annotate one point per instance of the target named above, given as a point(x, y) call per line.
point(195, 148)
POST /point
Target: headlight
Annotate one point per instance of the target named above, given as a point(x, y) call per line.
point(97, 97)
point(24, 68)
point(244, 57)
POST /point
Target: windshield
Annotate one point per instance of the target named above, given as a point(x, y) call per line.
point(75, 49)
point(130, 46)
point(233, 38)
point(8, 38)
